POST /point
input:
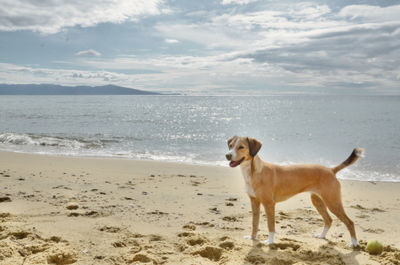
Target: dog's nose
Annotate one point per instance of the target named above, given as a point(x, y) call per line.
point(228, 156)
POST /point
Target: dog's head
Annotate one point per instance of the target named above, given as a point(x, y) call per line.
point(242, 149)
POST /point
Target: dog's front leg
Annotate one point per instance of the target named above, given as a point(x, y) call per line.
point(255, 209)
point(270, 211)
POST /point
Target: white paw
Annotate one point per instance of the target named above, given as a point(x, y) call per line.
point(249, 237)
point(353, 243)
point(271, 236)
point(321, 236)
point(268, 242)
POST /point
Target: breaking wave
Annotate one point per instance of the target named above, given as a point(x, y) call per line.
point(15, 139)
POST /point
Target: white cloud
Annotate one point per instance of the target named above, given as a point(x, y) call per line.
point(300, 45)
point(51, 16)
point(171, 73)
point(10, 72)
point(303, 45)
point(298, 17)
point(238, 2)
point(251, 30)
point(88, 53)
point(368, 13)
point(211, 35)
point(171, 41)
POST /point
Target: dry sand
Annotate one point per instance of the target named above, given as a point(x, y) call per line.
point(61, 210)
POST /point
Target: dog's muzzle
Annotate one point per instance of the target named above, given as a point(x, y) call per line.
point(228, 156)
point(236, 163)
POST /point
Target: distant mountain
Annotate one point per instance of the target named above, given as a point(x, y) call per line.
point(50, 89)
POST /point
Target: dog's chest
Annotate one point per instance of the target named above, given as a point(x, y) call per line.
point(247, 179)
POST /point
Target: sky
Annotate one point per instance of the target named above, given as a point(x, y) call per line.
point(204, 47)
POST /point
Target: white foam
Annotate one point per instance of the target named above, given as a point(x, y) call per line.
point(69, 146)
point(20, 139)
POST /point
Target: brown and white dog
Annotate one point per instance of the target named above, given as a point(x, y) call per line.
point(268, 184)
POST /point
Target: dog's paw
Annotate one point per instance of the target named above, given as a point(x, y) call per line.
point(321, 236)
point(353, 243)
point(248, 237)
point(268, 242)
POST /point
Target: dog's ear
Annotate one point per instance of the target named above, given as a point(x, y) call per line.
point(254, 146)
point(231, 139)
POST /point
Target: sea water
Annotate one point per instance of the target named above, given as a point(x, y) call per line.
point(293, 129)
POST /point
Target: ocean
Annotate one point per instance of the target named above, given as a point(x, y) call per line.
point(194, 129)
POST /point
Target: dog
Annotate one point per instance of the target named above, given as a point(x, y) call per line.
point(268, 184)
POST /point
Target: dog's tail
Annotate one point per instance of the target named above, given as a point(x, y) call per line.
point(355, 155)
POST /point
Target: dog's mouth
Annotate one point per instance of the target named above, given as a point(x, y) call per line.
point(236, 163)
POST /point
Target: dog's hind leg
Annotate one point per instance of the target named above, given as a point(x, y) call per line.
point(321, 208)
point(334, 203)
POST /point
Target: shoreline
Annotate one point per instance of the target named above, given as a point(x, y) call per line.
point(201, 163)
point(81, 210)
point(110, 156)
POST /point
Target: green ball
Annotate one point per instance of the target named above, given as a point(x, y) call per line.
point(374, 247)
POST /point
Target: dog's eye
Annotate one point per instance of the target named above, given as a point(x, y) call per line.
point(240, 147)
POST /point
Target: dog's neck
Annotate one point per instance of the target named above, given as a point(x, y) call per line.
point(251, 166)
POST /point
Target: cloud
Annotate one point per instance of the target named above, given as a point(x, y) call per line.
point(297, 46)
point(209, 34)
point(51, 16)
point(367, 13)
point(171, 41)
point(88, 53)
point(331, 50)
point(244, 30)
point(238, 2)
point(300, 17)
point(10, 72)
point(196, 74)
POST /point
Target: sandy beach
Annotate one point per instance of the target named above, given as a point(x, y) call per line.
point(65, 210)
